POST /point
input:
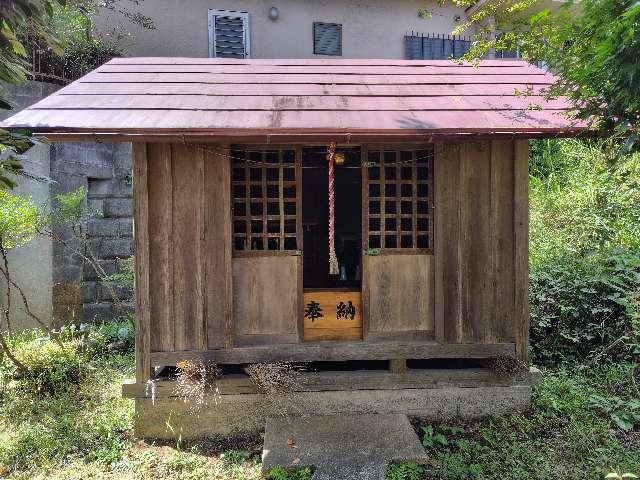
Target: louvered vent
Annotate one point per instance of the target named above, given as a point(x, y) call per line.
point(228, 34)
point(327, 38)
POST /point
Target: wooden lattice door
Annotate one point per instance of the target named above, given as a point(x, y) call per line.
point(267, 244)
point(398, 279)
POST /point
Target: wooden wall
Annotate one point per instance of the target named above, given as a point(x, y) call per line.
point(481, 242)
point(473, 290)
point(183, 248)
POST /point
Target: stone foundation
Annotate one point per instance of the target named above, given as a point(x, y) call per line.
point(239, 408)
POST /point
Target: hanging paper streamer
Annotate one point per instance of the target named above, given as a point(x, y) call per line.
point(333, 260)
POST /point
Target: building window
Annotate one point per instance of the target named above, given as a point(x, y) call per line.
point(398, 190)
point(266, 199)
point(506, 53)
point(229, 34)
point(435, 47)
point(327, 38)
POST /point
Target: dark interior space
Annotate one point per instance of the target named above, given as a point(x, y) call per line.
point(348, 218)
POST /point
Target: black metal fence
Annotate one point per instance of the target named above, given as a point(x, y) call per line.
point(435, 46)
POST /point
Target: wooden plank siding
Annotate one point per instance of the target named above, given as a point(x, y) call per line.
point(521, 248)
point(142, 261)
point(183, 247)
point(481, 251)
point(266, 299)
point(195, 299)
point(399, 289)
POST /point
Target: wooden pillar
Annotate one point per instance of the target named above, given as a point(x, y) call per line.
point(521, 248)
point(398, 365)
point(141, 241)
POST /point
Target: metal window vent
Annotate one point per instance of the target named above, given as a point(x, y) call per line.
point(327, 38)
point(228, 34)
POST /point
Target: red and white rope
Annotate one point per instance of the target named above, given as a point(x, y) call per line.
point(333, 259)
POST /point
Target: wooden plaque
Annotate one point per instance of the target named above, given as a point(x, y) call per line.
point(332, 315)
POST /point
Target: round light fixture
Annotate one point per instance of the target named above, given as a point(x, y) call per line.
point(339, 158)
point(274, 13)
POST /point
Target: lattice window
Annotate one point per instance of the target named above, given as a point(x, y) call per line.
point(266, 200)
point(398, 191)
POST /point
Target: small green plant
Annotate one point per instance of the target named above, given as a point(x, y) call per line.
point(280, 473)
point(433, 438)
point(187, 466)
point(625, 413)
point(408, 470)
point(620, 476)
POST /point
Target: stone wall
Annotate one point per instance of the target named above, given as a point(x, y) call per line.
point(105, 171)
point(62, 286)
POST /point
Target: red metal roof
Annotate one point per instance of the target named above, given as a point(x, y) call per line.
point(223, 99)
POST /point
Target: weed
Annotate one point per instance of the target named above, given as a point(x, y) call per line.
point(193, 380)
point(408, 470)
point(280, 473)
point(280, 382)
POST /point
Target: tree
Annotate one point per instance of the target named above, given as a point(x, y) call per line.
point(61, 33)
point(15, 17)
point(593, 46)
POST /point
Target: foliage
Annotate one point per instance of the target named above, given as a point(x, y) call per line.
point(16, 16)
point(562, 436)
point(19, 220)
point(125, 276)
point(432, 438)
point(624, 413)
point(583, 306)
point(84, 49)
point(68, 405)
point(84, 430)
point(51, 368)
point(584, 252)
point(70, 207)
point(279, 473)
point(582, 200)
point(593, 46)
point(407, 470)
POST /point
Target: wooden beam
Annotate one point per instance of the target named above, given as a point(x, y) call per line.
point(141, 239)
point(347, 381)
point(521, 248)
point(338, 351)
point(438, 239)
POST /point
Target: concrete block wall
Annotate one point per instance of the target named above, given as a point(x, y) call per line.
point(105, 171)
point(61, 285)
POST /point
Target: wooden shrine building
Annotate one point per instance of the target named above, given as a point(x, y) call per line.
point(428, 222)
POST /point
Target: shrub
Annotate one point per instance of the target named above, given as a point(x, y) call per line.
point(585, 306)
point(52, 368)
point(584, 251)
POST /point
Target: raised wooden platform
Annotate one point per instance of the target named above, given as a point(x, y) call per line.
point(237, 406)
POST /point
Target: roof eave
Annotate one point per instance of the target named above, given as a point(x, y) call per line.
point(250, 136)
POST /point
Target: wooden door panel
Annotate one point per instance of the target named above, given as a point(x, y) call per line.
point(266, 299)
point(398, 292)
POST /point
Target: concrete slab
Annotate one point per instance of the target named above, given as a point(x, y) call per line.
point(341, 447)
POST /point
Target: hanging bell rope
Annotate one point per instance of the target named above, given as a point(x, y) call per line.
point(333, 260)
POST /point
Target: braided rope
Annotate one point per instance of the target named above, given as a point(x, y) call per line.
point(333, 259)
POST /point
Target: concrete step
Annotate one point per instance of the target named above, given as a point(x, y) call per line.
point(341, 447)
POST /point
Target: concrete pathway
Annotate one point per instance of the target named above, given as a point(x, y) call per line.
point(341, 447)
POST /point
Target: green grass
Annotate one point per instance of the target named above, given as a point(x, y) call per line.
point(563, 436)
point(83, 430)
